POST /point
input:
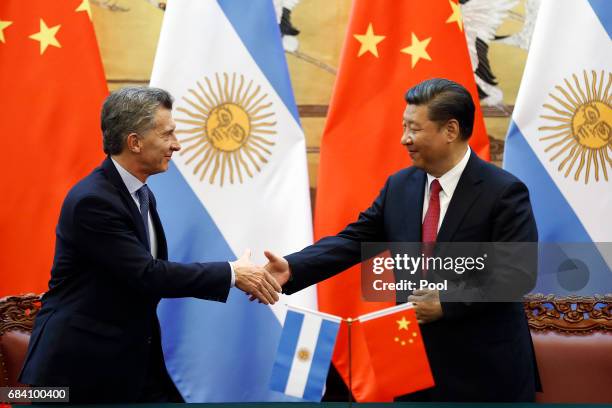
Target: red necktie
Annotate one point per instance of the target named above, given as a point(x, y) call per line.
point(430, 223)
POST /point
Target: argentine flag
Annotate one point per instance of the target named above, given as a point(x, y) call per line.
point(240, 181)
point(560, 144)
point(304, 353)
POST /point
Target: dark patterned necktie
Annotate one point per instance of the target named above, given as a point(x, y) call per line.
point(143, 199)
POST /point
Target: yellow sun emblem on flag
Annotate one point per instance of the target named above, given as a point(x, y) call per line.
point(228, 126)
point(582, 135)
point(303, 354)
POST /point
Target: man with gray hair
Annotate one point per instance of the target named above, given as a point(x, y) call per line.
point(97, 331)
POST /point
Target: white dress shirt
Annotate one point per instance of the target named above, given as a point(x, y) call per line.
point(133, 185)
point(448, 182)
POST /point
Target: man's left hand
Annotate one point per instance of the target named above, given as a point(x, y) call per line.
point(426, 305)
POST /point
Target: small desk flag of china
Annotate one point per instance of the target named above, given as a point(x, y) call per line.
point(396, 349)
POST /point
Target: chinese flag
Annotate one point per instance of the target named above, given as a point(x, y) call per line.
point(389, 47)
point(397, 352)
point(53, 85)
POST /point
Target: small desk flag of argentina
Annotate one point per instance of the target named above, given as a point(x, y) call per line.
point(304, 353)
point(560, 144)
point(240, 181)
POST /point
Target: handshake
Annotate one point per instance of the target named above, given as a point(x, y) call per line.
point(261, 282)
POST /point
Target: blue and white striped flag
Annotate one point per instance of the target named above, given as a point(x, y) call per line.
point(240, 181)
point(304, 353)
point(560, 144)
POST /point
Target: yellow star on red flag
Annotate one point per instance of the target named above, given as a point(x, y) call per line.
point(402, 324)
point(85, 6)
point(3, 25)
point(369, 41)
point(46, 36)
point(418, 49)
point(456, 17)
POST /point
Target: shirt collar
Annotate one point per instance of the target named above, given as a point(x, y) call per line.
point(450, 179)
point(131, 182)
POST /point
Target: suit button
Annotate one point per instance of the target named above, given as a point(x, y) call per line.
point(149, 340)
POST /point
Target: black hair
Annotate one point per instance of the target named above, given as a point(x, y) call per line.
point(445, 100)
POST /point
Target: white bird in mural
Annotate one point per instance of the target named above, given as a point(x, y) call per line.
point(481, 19)
point(283, 10)
point(522, 39)
point(160, 4)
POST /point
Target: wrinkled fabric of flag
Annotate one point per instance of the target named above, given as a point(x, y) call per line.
point(560, 144)
point(240, 181)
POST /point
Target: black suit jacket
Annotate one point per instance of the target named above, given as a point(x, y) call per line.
point(97, 331)
point(477, 351)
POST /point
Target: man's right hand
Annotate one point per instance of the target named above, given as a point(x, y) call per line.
point(255, 280)
point(278, 267)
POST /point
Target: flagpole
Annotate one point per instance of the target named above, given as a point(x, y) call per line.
point(349, 322)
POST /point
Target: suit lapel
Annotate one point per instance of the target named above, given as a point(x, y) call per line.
point(413, 200)
point(115, 179)
point(467, 191)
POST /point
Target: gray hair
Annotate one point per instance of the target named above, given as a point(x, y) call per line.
point(130, 110)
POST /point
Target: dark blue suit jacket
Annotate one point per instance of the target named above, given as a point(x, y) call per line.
point(477, 351)
point(97, 331)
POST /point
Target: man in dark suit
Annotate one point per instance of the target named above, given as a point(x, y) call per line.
point(97, 331)
point(477, 351)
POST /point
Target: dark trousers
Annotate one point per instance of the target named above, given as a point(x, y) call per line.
point(159, 387)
